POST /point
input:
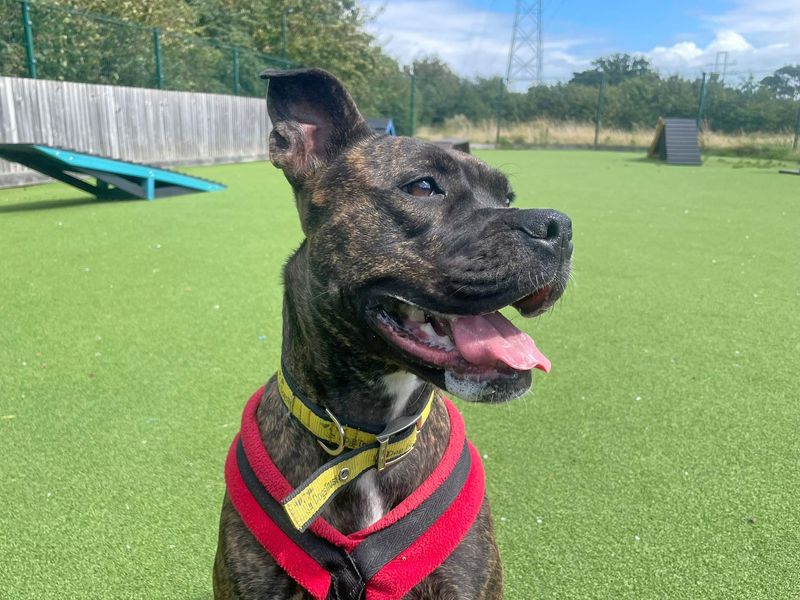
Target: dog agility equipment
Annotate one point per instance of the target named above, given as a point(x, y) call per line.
point(676, 141)
point(115, 179)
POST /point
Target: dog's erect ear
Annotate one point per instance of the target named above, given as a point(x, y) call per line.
point(313, 119)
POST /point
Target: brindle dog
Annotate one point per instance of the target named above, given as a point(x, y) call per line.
point(401, 237)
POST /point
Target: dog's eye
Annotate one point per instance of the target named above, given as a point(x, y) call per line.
point(510, 198)
point(422, 188)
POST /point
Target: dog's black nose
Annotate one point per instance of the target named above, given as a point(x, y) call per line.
point(545, 224)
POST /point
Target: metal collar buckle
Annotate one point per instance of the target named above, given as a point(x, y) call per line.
point(338, 450)
point(393, 428)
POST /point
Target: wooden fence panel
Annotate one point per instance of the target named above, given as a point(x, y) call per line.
point(136, 124)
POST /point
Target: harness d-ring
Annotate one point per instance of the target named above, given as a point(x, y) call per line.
point(338, 450)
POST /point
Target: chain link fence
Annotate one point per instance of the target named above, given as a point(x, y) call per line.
point(46, 41)
point(389, 96)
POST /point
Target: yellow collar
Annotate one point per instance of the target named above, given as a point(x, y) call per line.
point(369, 449)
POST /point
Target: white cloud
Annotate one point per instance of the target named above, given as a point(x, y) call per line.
point(769, 19)
point(472, 41)
point(686, 57)
point(730, 41)
point(759, 36)
point(682, 52)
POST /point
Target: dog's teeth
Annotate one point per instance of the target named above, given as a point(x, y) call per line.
point(428, 330)
point(416, 315)
point(445, 343)
point(434, 339)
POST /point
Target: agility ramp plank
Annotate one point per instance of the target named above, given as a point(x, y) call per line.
point(115, 179)
point(453, 144)
point(676, 141)
point(790, 172)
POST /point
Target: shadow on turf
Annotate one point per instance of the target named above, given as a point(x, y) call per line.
point(48, 204)
point(644, 160)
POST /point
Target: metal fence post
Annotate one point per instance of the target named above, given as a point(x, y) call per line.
point(498, 112)
point(283, 37)
point(157, 53)
point(27, 34)
point(701, 107)
point(601, 98)
point(235, 67)
point(411, 105)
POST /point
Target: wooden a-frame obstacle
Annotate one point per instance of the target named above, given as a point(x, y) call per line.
point(676, 141)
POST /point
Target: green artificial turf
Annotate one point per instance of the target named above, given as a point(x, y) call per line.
point(658, 459)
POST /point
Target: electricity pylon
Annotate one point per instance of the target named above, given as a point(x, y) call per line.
point(525, 54)
point(722, 59)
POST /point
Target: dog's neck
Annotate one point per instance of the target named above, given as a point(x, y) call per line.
point(331, 371)
point(346, 378)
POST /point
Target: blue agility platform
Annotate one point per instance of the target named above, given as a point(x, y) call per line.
point(115, 179)
point(382, 126)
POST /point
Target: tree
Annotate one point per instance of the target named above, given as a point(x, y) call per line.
point(331, 35)
point(104, 41)
point(112, 41)
point(439, 90)
point(169, 16)
point(616, 67)
point(784, 83)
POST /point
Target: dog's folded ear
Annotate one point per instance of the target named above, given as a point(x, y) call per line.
point(313, 119)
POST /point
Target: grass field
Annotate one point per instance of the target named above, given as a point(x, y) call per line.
point(658, 459)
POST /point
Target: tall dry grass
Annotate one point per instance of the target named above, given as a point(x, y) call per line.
point(545, 132)
point(721, 141)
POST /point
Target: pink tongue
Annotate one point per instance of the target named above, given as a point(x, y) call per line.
point(486, 339)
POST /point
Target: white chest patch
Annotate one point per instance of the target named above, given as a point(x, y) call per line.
point(400, 385)
point(372, 502)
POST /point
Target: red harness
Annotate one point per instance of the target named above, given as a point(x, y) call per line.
point(383, 561)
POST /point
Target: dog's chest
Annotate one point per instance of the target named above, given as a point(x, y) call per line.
point(370, 499)
point(399, 386)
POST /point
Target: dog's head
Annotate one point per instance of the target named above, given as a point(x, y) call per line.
point(415, 247)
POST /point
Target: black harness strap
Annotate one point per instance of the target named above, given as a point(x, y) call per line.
point(350, 572)
point(329, 556)
point(384, 545)
point(346, 581)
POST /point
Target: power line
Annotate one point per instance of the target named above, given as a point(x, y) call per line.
point(525, 55)
point(477, 48)
point(721, 64)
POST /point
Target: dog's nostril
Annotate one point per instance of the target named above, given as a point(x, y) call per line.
point(553, 229)
point(559, 225)
point(546, 225)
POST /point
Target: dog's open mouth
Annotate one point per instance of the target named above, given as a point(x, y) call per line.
point(478, 346)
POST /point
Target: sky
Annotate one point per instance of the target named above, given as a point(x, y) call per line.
point(679, 37)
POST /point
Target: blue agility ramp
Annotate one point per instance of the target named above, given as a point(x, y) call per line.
point(114, 179)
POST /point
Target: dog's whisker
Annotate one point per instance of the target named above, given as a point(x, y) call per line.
point(457, 290)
